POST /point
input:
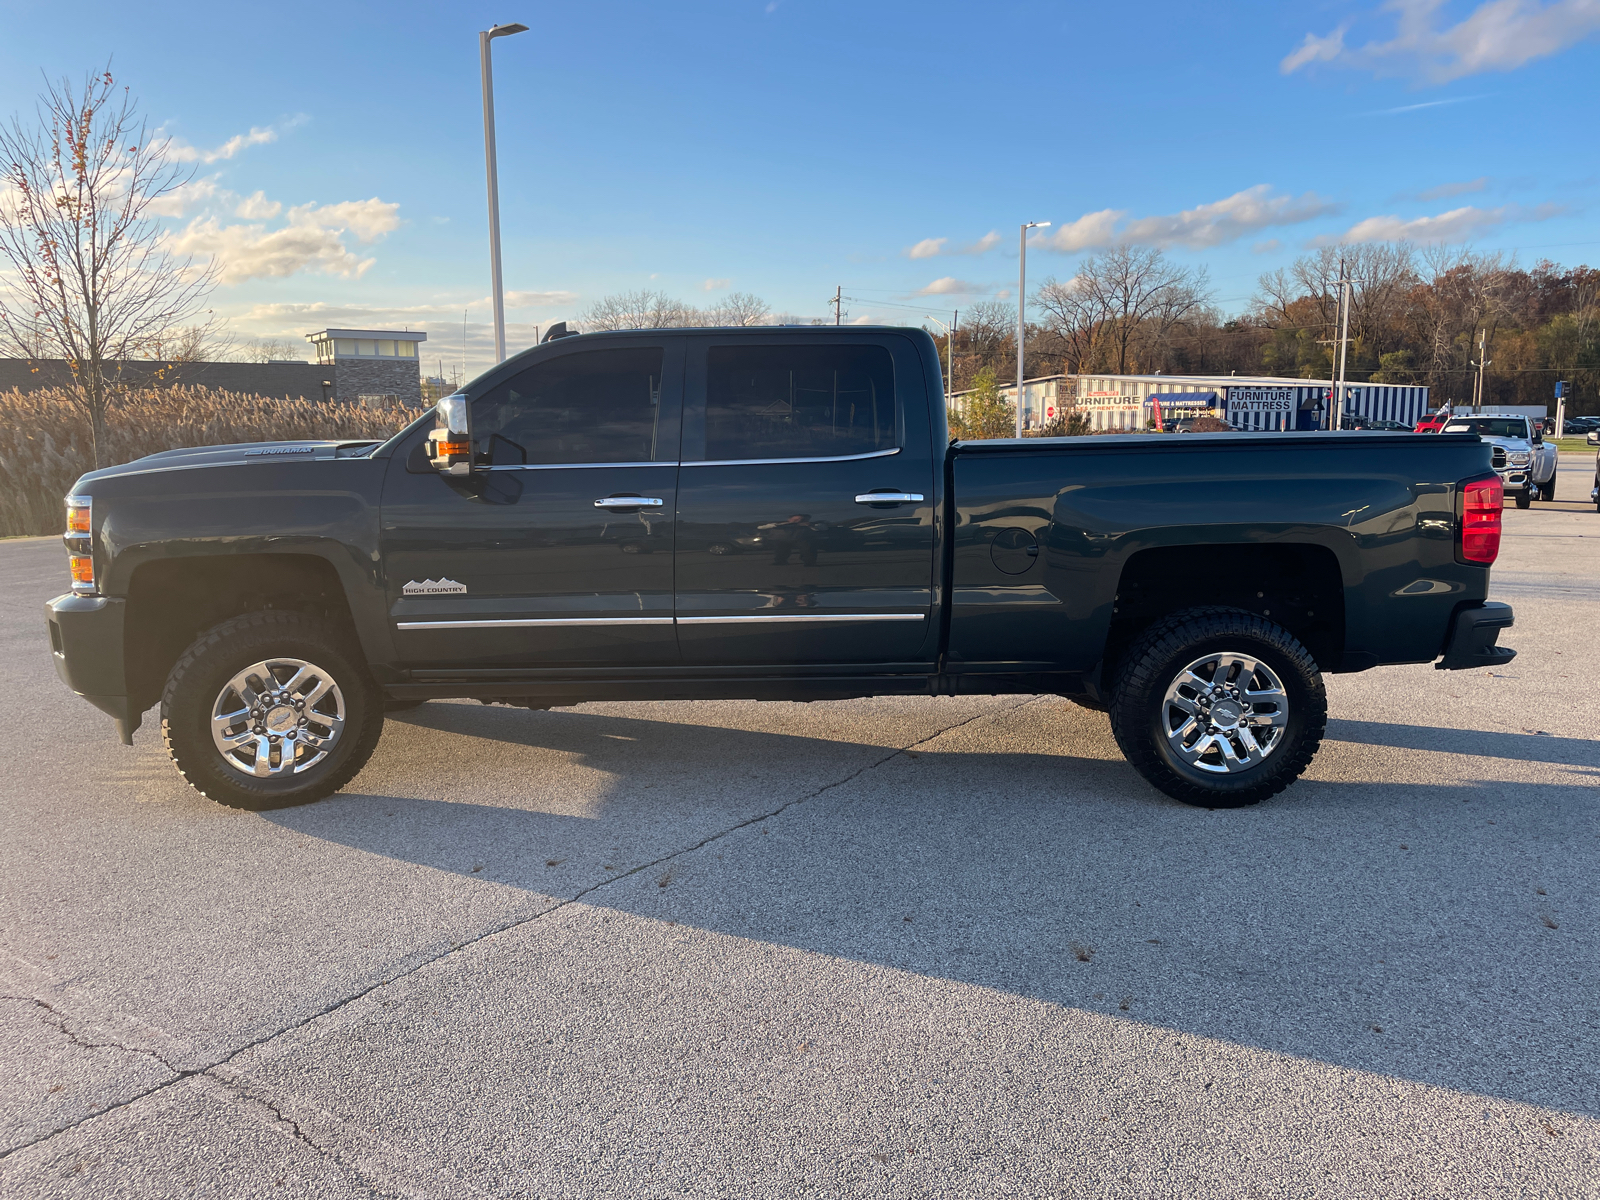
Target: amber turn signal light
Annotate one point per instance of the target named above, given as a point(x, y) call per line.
point(82, 566)
point(453, 448)
point(78, 515)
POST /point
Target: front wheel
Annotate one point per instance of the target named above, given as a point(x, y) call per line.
point(1525, 497)
point(1218, 707)
point(266, 711)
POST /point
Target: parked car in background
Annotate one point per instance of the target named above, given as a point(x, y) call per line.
point(1529, 470)
point(1387, 426)
point(1434, 421)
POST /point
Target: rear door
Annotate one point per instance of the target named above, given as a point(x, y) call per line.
point(782, 555)
point(560, 552)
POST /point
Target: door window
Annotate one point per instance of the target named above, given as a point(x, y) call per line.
point(765, 402)
point(598, 406)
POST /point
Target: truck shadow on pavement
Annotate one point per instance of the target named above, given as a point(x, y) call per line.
point(1437, 932)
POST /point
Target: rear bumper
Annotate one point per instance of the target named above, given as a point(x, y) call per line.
point(1472, 638)
point(86, 644)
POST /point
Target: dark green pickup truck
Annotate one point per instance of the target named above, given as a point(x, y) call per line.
point(775, 514)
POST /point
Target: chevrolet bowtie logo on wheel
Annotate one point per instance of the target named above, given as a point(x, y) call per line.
point(433, 587)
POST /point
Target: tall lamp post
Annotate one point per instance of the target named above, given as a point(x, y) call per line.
point(1022, 305)
point(494, 182)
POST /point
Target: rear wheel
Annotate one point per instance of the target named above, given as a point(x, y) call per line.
point(266, 711)
point(1219, 707)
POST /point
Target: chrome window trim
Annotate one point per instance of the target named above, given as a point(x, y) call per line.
point(526, 621)
point(773, 462)
point(777, 618)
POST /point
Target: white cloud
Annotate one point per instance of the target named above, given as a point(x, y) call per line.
point(1445, 190)
point(180, 201)
point(254, 252)
point(1227, 220)
point(257, 207)
point(369, 220)
point(1498, 35)
point(538, 299)
point(181, 151)
point(313, 240)
point(1457, 225)
point(951, 286)
point(715, 285)
point(1314, 49)
point(1199, 228)
point(1089, 232)
point(1266, 247)
point(933, 247)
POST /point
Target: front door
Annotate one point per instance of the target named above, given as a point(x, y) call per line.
point(559, 552)
point(783, 557)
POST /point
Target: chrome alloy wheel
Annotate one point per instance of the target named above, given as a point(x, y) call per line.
point(1225, 712)
point(278, 717)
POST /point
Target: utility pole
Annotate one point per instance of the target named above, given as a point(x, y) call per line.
point(838, 306)
point(1483, 365)
point(1344, 346)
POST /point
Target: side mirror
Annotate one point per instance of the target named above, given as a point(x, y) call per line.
point(450, 443)
point(1538, 437)
point(1594, 437)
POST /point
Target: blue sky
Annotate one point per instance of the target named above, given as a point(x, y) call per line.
point(783, 148)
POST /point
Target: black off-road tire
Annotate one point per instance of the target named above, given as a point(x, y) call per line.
point(1547, 491)
point(215, 657)
point(1525, 497)
point(1161, 653)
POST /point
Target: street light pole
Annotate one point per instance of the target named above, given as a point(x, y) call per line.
point(1022, 304)
point(484, 38)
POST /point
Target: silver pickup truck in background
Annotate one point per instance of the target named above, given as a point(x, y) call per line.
point(1528, 469)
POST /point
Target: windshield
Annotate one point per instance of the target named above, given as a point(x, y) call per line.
point(1504, 427)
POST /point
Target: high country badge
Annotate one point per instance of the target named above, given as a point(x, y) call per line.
point(434, 587)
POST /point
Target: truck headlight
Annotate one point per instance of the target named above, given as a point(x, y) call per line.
point(1519, 457)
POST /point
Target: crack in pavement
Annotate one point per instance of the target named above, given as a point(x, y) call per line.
point(58, 1021)
point(182, 1074)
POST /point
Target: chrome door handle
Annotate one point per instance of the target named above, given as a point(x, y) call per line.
point(889, 498)
point(627, 502)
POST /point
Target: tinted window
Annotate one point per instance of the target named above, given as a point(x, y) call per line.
point(799, 401)
point(600, 406)
point(1505, 427)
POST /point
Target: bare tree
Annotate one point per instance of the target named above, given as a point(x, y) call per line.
point(271, 350)
point(1075, 315)
point(1381, 275)
point(88, 276)
point(637, 310)
point(738, 309)
point(1140, 297)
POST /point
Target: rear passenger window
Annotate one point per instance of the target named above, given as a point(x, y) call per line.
point(799, 401)
point(602, 406)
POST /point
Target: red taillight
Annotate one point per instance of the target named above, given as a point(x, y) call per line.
point(1482, 500)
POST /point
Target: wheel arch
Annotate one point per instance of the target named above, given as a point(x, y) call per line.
point(171, 601)
point(1298, 585)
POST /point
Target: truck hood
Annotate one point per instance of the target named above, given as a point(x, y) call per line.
point(238, 454)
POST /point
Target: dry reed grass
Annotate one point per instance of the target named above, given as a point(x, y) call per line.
point(45, 446)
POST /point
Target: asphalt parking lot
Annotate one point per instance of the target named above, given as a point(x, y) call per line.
point(949, 947)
